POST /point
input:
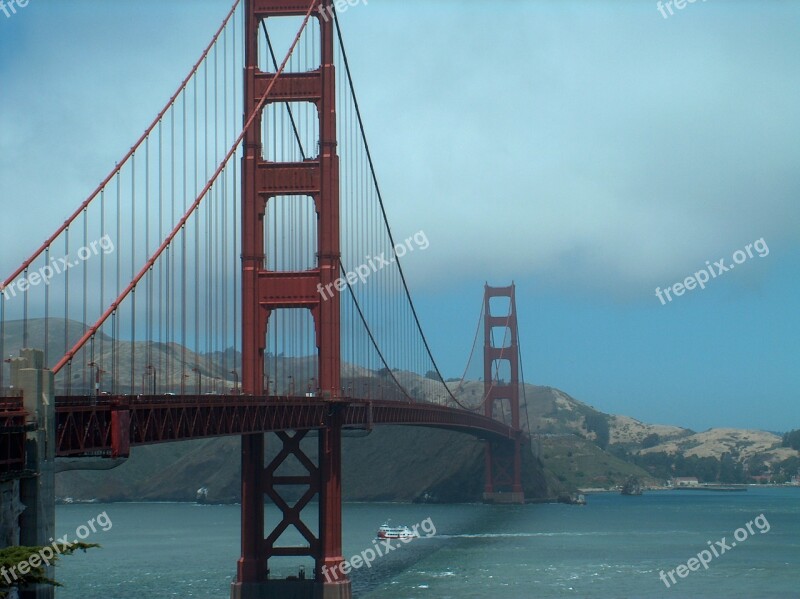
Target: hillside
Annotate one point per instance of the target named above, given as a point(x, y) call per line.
point(389, 464)
point(737, 454)
point(577, 445)
point(718, 441)
point(568, 436)
point(627, 430)
point(579, 463)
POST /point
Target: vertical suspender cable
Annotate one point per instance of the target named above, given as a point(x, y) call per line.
point(380, 200)
point(133, 273)
point(84, 318)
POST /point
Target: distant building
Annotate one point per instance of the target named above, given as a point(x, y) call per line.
point(685, 481)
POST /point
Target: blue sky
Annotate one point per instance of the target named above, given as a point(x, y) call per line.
point(589, 151)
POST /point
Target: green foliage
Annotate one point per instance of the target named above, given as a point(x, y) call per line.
point(706, 470)
point(650, 440)
point(598, 424)
point(12, 557)
point(730, 470)
point(619, 451)
point(783, 471)
point(756, 466)
point(792, 439)
point(659, 464)
point(579, 463)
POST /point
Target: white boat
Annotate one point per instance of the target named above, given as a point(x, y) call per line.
point(396, 532)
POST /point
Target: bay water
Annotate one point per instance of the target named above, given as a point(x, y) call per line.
point(614, 547)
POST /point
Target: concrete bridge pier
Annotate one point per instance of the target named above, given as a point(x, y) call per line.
point(36, 492)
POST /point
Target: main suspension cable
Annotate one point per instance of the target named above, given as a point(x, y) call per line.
point(383, 208)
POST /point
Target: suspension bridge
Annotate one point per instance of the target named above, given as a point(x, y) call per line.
point(236, 274)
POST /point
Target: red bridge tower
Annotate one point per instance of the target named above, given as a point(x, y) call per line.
point(265, 291)
point(503, 482)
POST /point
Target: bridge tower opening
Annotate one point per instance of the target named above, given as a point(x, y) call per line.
point(265, 291)
point(503, 460)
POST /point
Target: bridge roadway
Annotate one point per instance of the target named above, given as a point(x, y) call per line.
point(110, 425)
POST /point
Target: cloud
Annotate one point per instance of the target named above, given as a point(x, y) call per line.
point(588, 151)
point(592, 147)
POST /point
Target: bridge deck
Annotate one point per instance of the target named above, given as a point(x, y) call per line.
point(110, 425)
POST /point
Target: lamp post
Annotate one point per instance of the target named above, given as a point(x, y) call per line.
point(539, 435)
point(235, 381)
point(98, 373)
point(152, 369)
point(199, 380)
point(2, 373)
point(8, 361)
point(291, 385)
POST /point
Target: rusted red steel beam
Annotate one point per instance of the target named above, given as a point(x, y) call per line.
point(430, 415)
point(88, 426)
